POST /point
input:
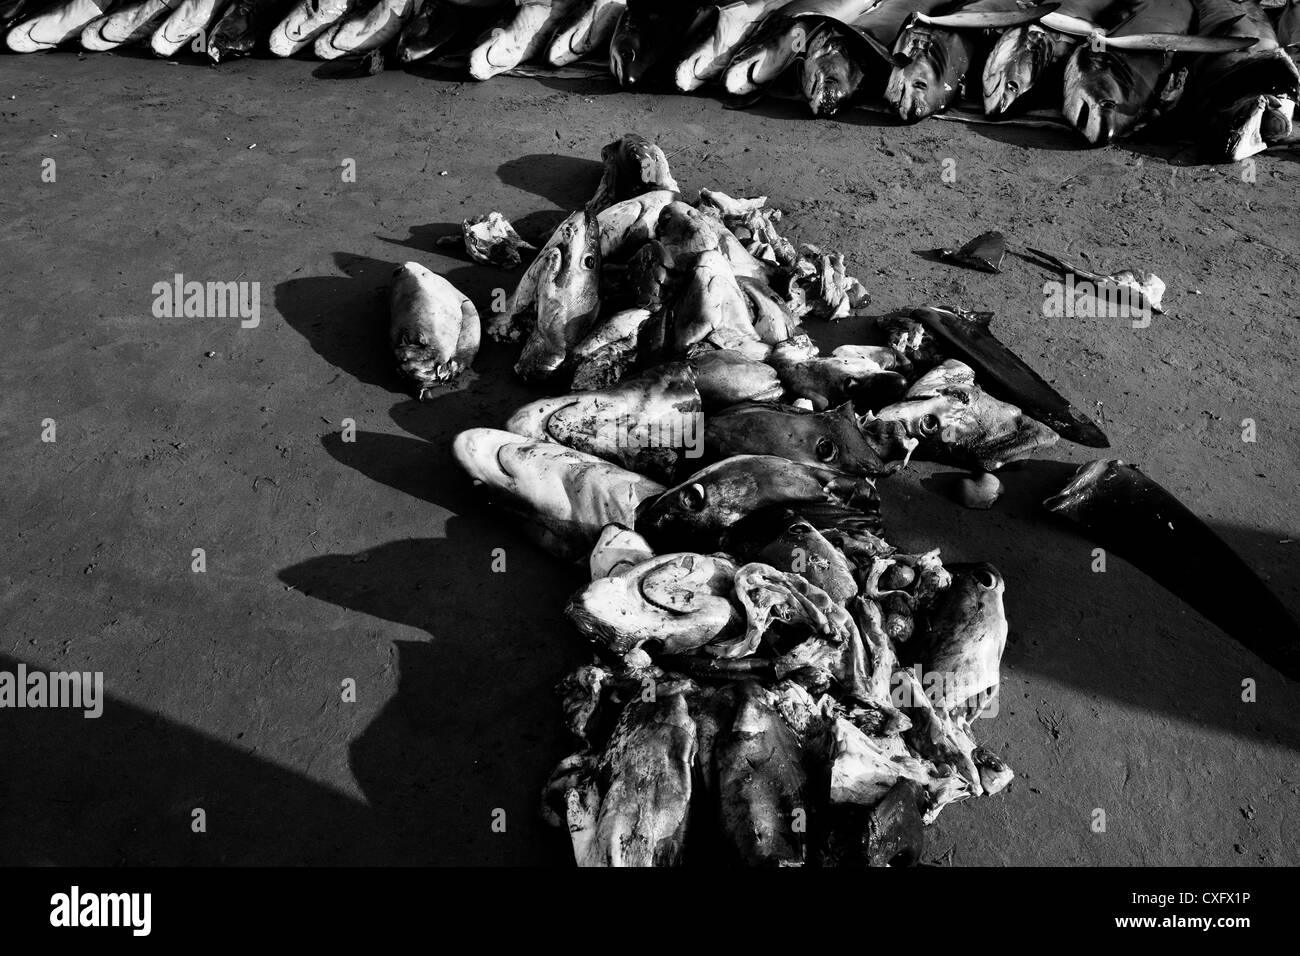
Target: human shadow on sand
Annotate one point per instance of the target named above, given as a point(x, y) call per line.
point(473, 726)
point(121, 789)
point(470, 732)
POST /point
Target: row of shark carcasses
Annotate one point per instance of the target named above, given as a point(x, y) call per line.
point(1110, 66)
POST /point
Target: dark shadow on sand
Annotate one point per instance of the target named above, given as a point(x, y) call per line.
point(474, 725)
point(345, 317)
point(566, 181)
point(535, 227)
point(120, 789)
point(1125, 638)
point(1118, 635)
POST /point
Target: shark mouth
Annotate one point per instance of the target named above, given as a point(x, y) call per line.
point(1017, 61)
point(1099, 96)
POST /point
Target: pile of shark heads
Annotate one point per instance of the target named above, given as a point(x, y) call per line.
point(1223, 70)
point(772, 682)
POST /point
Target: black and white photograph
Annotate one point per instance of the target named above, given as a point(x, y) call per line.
point(552, 434)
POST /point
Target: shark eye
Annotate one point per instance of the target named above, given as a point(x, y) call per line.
point(847, 385)
point(693, 497)
point(985, 578)
point(589, 261)
point(929, 424)
point(826, 449)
